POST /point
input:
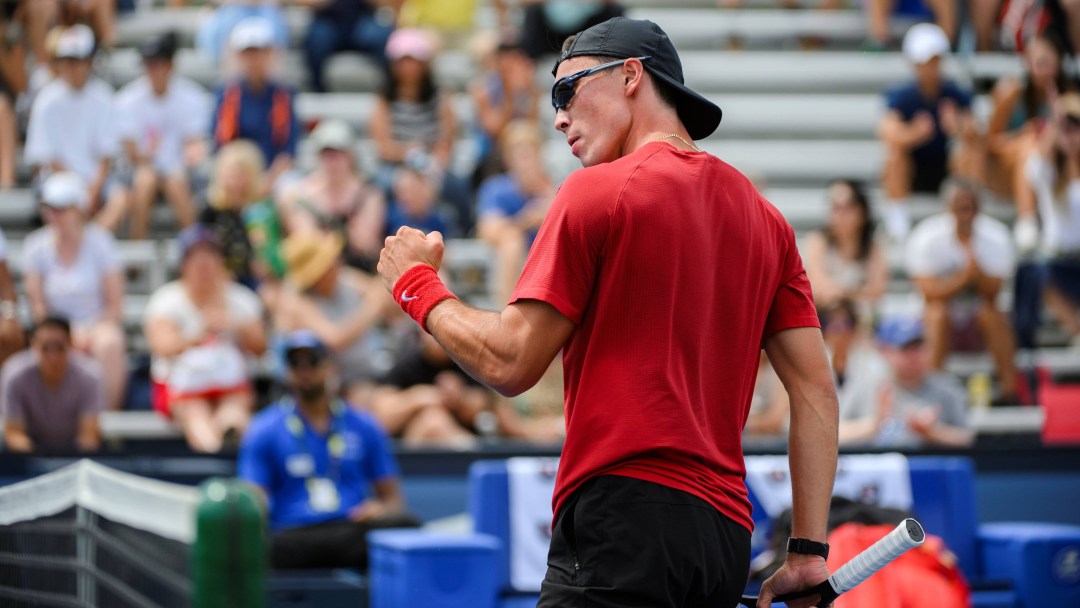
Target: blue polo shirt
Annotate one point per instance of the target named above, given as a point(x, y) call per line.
point(907, 100)
point(499, 196)
point(282, 454)
point(255, 118)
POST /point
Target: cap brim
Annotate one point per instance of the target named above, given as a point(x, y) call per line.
point(700, 116)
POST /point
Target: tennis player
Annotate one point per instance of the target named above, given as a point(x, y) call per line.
point(660, 273)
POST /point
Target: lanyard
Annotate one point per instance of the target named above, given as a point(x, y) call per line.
point(335, 443)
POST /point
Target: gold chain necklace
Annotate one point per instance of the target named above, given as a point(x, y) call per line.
point(679, 137)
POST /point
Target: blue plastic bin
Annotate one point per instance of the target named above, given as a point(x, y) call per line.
point(412, 568)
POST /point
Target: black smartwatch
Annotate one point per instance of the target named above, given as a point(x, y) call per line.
point(806, 546)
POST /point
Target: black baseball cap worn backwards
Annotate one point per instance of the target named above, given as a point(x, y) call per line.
point(623, 38)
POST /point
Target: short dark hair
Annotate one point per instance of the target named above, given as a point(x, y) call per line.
point(663, 90)
point(54, 321)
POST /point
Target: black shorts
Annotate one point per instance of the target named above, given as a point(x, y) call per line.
point(624, 542)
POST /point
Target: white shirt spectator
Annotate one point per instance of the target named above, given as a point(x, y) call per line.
point(933, 250)
point(74, 291)
point(167, 122)
point(171, 302)
point(73, 128)
point(1060, 213)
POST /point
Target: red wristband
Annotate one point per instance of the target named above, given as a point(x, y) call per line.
point(418, 291)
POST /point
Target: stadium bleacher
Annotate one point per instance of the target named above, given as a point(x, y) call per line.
point(793, 119)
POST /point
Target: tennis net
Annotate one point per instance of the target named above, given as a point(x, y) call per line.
point(87, 535)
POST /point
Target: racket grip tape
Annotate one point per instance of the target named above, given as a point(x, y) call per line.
point(909, 534)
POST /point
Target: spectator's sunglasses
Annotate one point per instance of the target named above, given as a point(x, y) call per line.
point(303, 360)
point(564, 88)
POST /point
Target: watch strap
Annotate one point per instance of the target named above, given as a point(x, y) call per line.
point(806, 546)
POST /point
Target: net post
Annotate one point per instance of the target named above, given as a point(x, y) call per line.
point(229, 558)
point(86, 555)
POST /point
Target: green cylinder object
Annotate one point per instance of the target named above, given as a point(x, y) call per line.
point(228, 561)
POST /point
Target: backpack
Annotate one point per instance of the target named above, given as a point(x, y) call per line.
point(924, 577)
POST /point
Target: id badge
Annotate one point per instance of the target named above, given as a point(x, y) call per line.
point(300, 465)
point(322, 495)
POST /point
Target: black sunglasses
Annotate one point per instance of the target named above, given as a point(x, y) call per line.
point(563, 89)
point(302, 360)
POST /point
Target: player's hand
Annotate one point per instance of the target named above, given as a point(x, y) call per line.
point(799, 572)
point(409, 247)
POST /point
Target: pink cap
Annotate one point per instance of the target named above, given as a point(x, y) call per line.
point(410, 42)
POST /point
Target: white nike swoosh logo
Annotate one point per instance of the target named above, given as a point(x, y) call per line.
point(405, 297)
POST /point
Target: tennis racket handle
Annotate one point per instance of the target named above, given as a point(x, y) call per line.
point(908, 535)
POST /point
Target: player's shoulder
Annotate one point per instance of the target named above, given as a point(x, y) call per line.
point(613, 177)
point(601, 177)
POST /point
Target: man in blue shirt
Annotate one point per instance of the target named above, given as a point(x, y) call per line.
point(316, 458)
point(255, 107)
point(928, 129)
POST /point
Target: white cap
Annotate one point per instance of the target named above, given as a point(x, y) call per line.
point(252, 33)
point(75, 42)
point(925, 41)
point(334, 135)
point(64, 189)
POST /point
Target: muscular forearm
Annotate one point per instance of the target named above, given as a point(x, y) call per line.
point(483, 344)
point(812, 447)
point(798, 356)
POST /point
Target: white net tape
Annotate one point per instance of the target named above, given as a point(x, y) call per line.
point(165, 509)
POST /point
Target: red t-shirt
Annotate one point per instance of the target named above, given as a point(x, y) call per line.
point(674, 270)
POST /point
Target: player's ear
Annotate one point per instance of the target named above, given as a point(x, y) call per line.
point(633, 73)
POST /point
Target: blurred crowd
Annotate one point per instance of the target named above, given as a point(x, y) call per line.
point(267, 248)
